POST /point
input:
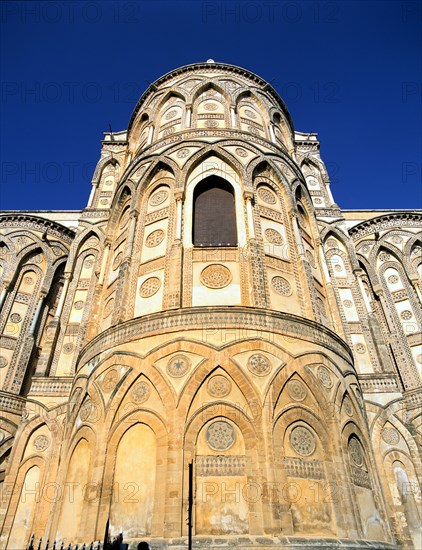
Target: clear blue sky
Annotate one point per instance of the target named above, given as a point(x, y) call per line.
point(350, 71)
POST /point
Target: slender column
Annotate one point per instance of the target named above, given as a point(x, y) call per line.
point(91, 196)
point(37, 314)
point(233, 116)
point(67, 277)
point(179, 205)
point(363, 292)
point(150, 134)
point(188, 115)
point(416, 286)
point(272, 134)
point(298, 236)
point(104, 263)
point(131, 233)
point(248, 197)
point(3, 297)
point(330, 195)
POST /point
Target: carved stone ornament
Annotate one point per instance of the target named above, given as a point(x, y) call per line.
point(216, 276)
point(258, 364)
point(3, 362)
point(79, 304)
point(324, 377)
point(220, 436)
point(302, 441)
point(390, 435)
point(117, 260)
point(240, 152)
point(110, 380)
point(296, 390)
point(273, 236)
point(355, 451)
point(15, 318)
point(158, 197)
point(182, 153)
point(86, 410)
point(281, 285)
point(108, 308)
point(178, 366)
point(155, 238)
point(140, 392)
point(266, 195)
point(219, 386)
point(347, 404)
point(360, 348)
point(41, 442)
point(150, 287)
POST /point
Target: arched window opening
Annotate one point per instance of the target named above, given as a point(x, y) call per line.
point(214, 219)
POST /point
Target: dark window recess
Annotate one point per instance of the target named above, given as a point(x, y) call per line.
point(214, 219)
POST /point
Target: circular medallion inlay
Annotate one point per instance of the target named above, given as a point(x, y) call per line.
point(86, 410)
point(296, 390)
point(347, 303)
point(406, 315)
point(390, 435)
point(250, 113)
point(258, 364)
point(220, 436)
point(266, 195)
point(211, 123)
point(141, 392)
point(117, 260)
point(210, 106)
point(15, 318)
point(355, 451)
point(171, 114)
point(318, 201)
point(88, 263)
point(241, 152)
point(393, 279)
point(79, 304)
point(219, 386)
point(155, 238)
point(150, 287)
point(253, 130)
point(216, 276)
point(419, 358)
point(178, 366)
point(302, 441)
point(68, 348)
point(110, 380)
point(324, 377)
point(169, 131)
point(397, 239)
point(108, 308)
point(338, 267)
point(3, 362)
point(41, 442)
point(28, 280)
point(365, 249)
point(360, 348)
point(281, 285)
point(104, 201)
point(158, 197)
point(347, 404)
point(384, 257)
point(182, 153)
point(332, 243)
point(273, 236)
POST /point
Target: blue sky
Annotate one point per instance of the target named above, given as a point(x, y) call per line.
point(350, 71)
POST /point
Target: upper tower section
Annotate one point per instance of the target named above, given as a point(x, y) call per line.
point(209, 95)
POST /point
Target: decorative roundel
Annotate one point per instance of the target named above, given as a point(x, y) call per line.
point(158, 197)
point(104, 201)
point(110, 380)
point(266, 195)
point(79, 304)
point(3, 362)
point(347, 404)
point(419, 358)
point(220, 436)
point(28, 280)
point(296, 390)
point(360, 348)
point(384, 257)
point(281, 285)
point(393, 279)
point(365, 249)
point(169, 131)
point(312, 182)
point(117, 260)
point(250, 113)
point(41, 442)
point(88, 263)
point(171, 114)
point(86, 410)
point(216, 276)
point(241, 152)
point(318, 200)
point(311, 258)
point(355, 451)
point(397, 239)
point(338, 267)
point(210, 106)
point(211, 123)
point(273, 236)
point(150, 287)
point(178, 366)
point(108, 308)
point(57, 251)
point(15, 318)
point(324, 377)
point(182, 153)
point(219, 386)
point(347, 303)
point(252, 130)
point(390, 435)
point(332, 243)
point(37, 259)
point(258, 364)
point(406, 315)
point(155, 238)
point(141, 392)
point(302, 441)
point(68, 348)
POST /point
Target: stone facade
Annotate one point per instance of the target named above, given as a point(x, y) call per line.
point(286, 367)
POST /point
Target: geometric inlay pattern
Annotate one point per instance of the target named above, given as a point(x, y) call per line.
point(155, 238)
point(110, 380)
point(41, 442)
point(178, 366)
point(390, 435)
point(220, 465)
point(258, 364)
point(355, 451)
point(140, 392)
point(216, 276)
point(281, 286)
point(220, 436)
point(296, 390)
point(324, 376)
point(266, 195)
point(302, 441)
point(219, 386)
point(273, 236)
point(149, 287)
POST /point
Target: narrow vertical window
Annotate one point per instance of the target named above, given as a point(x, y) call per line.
point(214, 219)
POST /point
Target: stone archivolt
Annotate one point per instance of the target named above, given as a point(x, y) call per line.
point(128, 352)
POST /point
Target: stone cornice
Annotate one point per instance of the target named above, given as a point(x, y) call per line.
point(211, 67)
point(17, 220)
point(388, 221)
point(217, 317)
